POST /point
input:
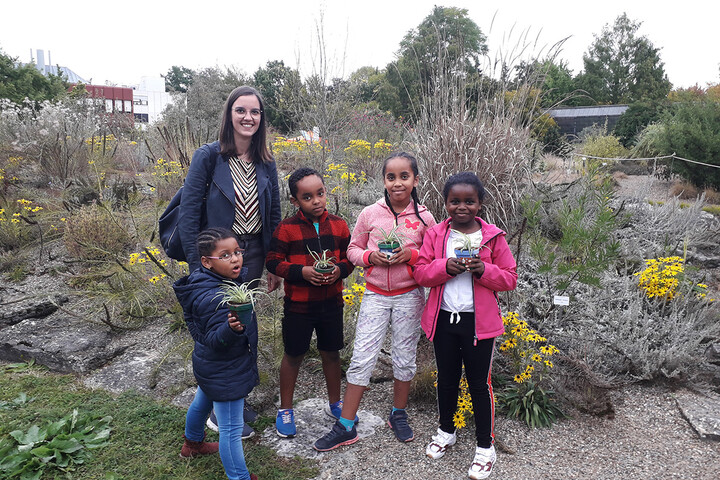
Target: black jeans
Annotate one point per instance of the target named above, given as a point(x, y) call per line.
point(455, 345)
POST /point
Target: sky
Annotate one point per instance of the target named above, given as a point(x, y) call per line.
point(120, 42)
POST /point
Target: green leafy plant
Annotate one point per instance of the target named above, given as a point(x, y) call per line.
point(59, 445)
point(232, 293)
point(19, 401)
point(532, 404)
point(321, 261)
point(530, 364)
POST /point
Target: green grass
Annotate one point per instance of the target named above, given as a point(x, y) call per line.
point(146, 435)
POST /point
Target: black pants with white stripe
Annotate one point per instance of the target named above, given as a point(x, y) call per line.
point(455, 346)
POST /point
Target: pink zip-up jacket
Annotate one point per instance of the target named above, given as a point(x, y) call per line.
point(500, 275)
point(396, 279)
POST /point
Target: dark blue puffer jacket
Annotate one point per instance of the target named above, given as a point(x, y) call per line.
point(224, 361)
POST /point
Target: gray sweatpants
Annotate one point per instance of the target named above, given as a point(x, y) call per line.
point(403, 313)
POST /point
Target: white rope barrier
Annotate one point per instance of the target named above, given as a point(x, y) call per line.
point(673, 156)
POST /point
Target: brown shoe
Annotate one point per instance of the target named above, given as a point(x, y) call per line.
point(193, 449)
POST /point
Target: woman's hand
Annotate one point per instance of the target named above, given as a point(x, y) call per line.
point(273, 281)
point(475, 265)
point(376, 257)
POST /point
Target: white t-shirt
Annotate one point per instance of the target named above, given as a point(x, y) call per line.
point(458, 293)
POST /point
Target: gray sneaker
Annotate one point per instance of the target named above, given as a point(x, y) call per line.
point(336, 437)
point(398, 421)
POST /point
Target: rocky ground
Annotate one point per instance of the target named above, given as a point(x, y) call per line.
point(654, 432)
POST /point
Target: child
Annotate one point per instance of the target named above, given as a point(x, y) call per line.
point(313, 300)
point(225, 353)
point(462, 316)
point(392, 297)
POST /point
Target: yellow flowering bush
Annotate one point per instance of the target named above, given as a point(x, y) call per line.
point(664, 278)
point(530, 360)
point(168, 175)
point(340, 182)
point(464, 404)
point(16, 220)
point(661, 277)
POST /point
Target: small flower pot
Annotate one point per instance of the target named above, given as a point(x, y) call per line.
point(387, 248)
point(326, 271)
point(465, 255)
point(240, 311)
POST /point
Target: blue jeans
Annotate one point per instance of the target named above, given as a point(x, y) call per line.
point(230, 425)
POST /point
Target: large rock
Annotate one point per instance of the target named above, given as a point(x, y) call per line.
point(62, 344)
point(312, 423)
point(15, 311)
point(702, 412)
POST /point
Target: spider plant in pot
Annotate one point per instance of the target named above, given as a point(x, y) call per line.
point(239, 298)
point(464, 246)
point(390, 240)
point(322, 263)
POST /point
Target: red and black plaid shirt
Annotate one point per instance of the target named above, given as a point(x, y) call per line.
point(289, 254)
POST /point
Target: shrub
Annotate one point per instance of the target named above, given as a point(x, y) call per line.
point(684, 190)
point(95, 233)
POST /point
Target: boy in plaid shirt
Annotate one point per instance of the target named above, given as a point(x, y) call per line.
point(313, 300)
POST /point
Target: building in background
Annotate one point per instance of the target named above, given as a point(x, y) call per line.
point(572, 120)
point(144, 103)
point(149, 99)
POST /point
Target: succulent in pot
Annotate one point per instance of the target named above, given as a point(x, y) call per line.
point(465, 247)
point(239, 298)
point(322, 262)
point(390, 240)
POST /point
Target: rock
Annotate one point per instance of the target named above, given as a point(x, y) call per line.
point(15, 311)
point(60, 343)
point(702, 412)
point(713, 353)
point(312, 423)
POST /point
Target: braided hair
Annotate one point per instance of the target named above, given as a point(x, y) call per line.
point(207, 239)
point(413, 194)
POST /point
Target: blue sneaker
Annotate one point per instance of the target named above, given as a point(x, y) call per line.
point(398, 421)
point(285, 423)
point(336, 437)
point(335, 409)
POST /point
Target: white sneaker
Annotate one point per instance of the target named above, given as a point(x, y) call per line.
point(482, 463)
point(440, 442)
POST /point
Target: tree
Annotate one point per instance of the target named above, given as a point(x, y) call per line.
point(279, 86)
point(638, 116)
point(18, 82)
point(691, 129)
point(446, 43)
point(621, 67)
point(178, 79)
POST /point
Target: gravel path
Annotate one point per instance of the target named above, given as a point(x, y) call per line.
point(647, 439)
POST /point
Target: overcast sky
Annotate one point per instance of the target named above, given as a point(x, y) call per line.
point(123, 41)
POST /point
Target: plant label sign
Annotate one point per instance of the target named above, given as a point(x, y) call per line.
point(563, 300)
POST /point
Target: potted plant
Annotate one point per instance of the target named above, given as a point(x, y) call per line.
point(322, 262)
point(239, 298)
point(390, 240)
point(464, 246)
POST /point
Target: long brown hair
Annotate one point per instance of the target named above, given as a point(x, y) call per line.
point(258, 146)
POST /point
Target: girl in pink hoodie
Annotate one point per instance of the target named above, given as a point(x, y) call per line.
point(392, 297)
point(462, 316)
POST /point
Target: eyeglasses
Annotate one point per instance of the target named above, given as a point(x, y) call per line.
point(225, 257)
point(254, 112)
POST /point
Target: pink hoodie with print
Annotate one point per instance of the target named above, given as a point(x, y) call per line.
point(396, 279)
point(500, 275)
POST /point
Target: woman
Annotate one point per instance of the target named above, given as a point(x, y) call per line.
point(232, 183)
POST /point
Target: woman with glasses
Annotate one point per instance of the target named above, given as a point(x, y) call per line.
point(232, 183)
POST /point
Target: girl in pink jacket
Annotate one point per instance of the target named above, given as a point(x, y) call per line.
point(392, 297)
point(462, 316)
